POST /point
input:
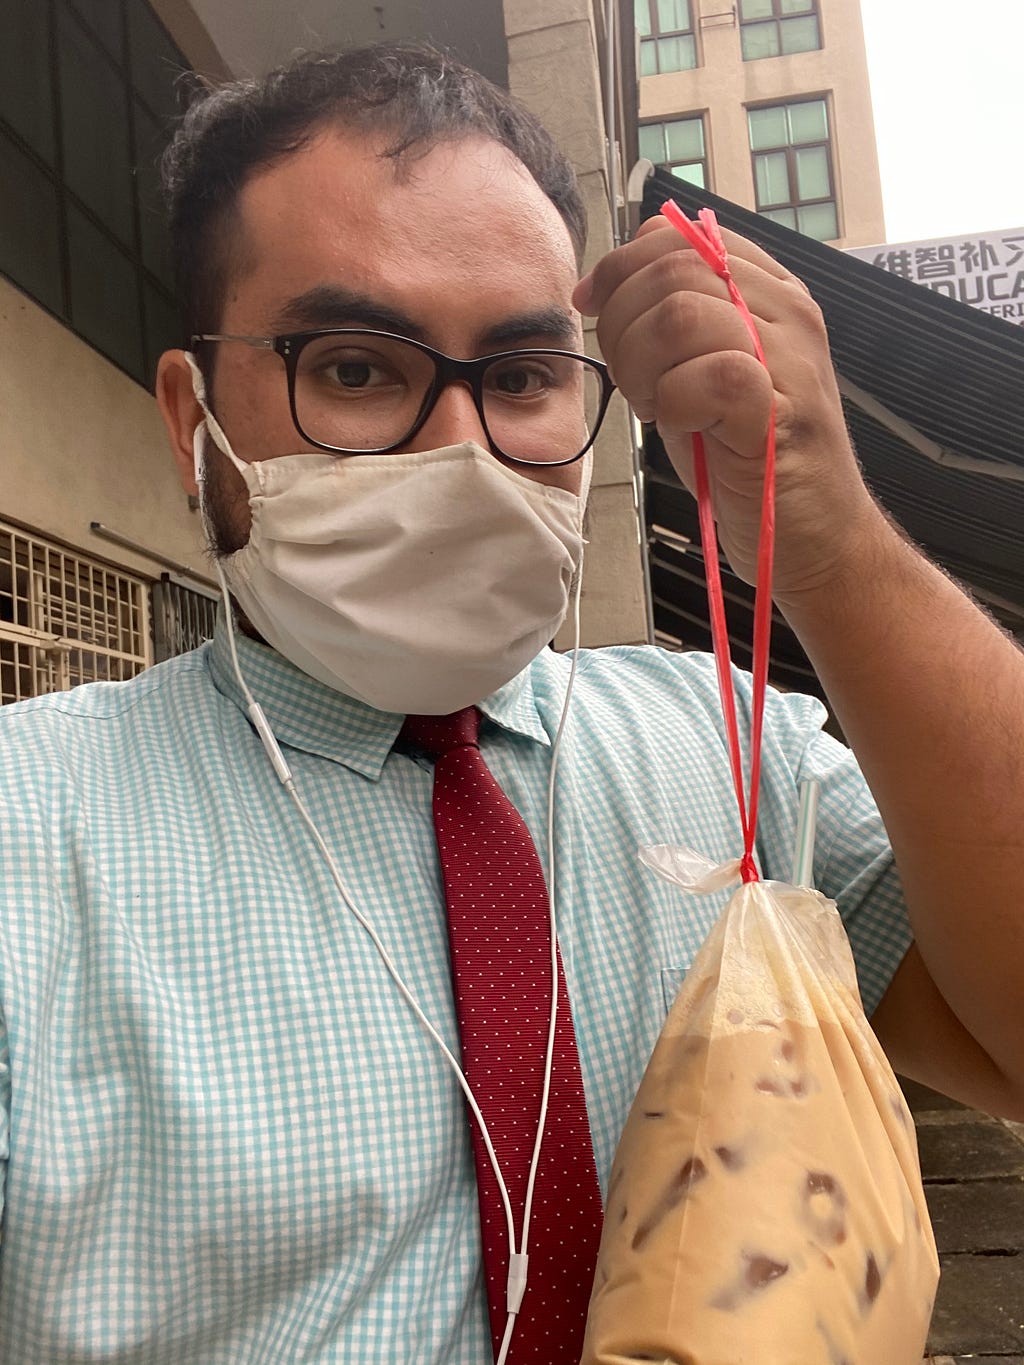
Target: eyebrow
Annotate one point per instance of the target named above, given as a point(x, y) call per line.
point(327, 305)
point(553, 325)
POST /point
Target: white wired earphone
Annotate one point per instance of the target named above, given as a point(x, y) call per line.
point(518, 1260)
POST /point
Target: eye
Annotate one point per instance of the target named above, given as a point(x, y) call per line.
point(356, 373)
point(353, 374)
point(521, 379)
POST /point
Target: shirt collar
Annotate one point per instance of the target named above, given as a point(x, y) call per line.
point(514, 708)
point(307, 715)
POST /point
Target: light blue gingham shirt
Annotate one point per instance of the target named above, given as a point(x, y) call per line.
point(226, 1137)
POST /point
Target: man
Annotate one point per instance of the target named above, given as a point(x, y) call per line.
point(230, 1136)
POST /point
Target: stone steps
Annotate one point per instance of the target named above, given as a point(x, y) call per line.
point(973, 1169)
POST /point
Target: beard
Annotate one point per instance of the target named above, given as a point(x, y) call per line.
point(225, 503)
point(224, 500)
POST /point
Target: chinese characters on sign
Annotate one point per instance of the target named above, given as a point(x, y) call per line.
point(986, 272)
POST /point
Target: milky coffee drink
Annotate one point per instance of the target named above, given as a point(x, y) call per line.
point(765, 1205)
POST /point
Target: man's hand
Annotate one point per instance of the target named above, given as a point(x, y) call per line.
point(680, 353)
point(927, 689)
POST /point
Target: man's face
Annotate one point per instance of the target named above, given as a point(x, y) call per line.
point(458, 248)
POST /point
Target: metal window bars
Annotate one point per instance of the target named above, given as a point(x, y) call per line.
point(65, 618)
point(184, 616)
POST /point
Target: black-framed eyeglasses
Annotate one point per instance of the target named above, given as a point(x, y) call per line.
point(360, 392)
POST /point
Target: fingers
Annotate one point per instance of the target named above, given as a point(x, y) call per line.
point(702, 395)
point(687, 306)
point(680, 351)
point(660, 306)
point(665, 317)
point(660, 318)
point(739, 248)
point(657, 238)
point(594, 290)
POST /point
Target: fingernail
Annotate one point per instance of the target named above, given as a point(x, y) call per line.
point(582, 295)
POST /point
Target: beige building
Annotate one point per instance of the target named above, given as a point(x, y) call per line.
point(766, 103)
point(102, 570)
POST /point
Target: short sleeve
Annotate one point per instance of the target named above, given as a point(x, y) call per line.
point(854, 866)
point(853, 861)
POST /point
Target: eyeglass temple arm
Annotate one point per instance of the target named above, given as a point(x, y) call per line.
point(261, 343)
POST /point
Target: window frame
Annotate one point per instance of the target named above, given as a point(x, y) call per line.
point(153, 289)
point(653, 37)
point(778, 17)
point(790, 150)
point(700, 117)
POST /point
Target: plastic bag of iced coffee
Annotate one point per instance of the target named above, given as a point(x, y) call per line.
point(765, 1205)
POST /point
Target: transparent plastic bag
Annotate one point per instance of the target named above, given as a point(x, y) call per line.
point(765, 1205)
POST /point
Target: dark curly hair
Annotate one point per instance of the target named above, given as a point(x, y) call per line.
point(418, 94)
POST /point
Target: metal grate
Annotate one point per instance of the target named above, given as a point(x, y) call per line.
point(65, 619)
point(183, 617)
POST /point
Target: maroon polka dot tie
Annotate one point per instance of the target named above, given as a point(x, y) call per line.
point(498, 927)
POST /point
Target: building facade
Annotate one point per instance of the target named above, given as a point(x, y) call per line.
point(102, 568)
point(766, 103)
point(97, 539)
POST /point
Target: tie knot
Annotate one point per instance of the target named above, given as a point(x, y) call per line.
point(438, 735)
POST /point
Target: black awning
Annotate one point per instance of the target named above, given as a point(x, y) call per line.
point(934, 398)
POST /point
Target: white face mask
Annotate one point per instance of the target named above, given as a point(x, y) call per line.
point(412, 582)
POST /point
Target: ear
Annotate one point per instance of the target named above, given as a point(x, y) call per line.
point(181, 413)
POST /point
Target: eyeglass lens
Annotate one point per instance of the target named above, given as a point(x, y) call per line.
point(367, 392)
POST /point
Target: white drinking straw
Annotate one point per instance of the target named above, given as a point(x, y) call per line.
point(806, 826)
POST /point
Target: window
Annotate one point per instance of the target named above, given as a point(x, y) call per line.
point(792, 157)
point(184, 615)
point(65, 619)
point(667, 38)
point(679, 147)
point(87, 91)
point(775, 28)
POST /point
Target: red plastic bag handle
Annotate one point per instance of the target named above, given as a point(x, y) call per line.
point(706, 238)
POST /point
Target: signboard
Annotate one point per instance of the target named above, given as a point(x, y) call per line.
point(985, 271)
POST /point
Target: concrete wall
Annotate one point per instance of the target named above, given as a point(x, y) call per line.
point(81, 442)
point(554, 68)
point(725, 84)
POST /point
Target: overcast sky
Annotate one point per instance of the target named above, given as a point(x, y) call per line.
point(948, 94)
